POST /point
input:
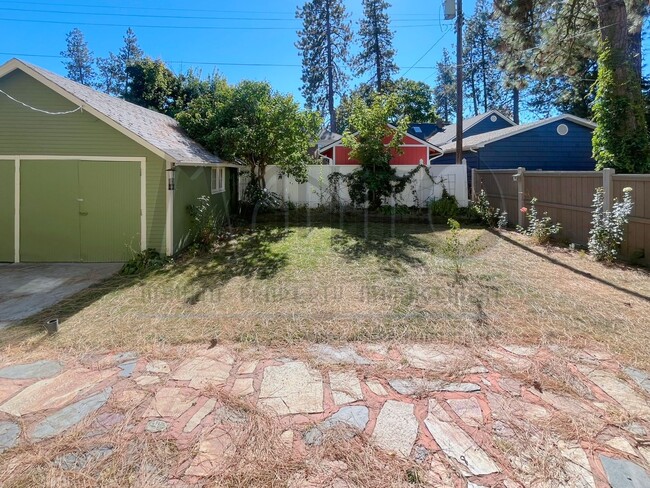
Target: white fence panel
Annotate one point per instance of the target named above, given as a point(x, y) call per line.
point(315, 191)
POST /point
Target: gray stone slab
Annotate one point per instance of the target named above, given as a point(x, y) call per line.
point(38, 370)
point(414, 386)
point(641, 377)
point(70, 416)
point(292, 388)
point(78, 461)
point(127, 368)
point(456, 444)
point(618, 390)
point(156, 426)
point(625, 474)
point(337, 355)
point(396, 428)
point(9, 433)
point(355, 417)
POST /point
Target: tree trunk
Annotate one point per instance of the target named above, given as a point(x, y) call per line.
point(515, 105)
point(635, 52)
point(613, 24)
point(330, 69)
point(378, 58)
point(484, 73)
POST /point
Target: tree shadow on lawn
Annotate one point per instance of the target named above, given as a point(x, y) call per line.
point(69, 306)
point(249, 255)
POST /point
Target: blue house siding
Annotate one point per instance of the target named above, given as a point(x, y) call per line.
point(541, 148)
point(486, 125)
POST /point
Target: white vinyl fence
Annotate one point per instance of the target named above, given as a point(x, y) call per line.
point(316, 191)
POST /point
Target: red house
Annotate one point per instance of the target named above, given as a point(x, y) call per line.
point(414, 151)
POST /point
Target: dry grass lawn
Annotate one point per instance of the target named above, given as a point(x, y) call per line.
point(359, 282)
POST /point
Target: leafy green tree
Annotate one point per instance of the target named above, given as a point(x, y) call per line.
point(78, 58)
point(323, 43)
point(373, 143)
point(377, 52)
point(413, 100)
point(152, 85)
point(256, 126)
point(445, 87)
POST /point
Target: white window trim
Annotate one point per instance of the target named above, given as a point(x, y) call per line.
point(218, 176)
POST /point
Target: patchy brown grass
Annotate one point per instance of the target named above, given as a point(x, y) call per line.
point(361, 282)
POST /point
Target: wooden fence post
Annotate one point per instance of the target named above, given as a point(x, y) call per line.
point(474, 182)
point(608, 180)
point(520, 195)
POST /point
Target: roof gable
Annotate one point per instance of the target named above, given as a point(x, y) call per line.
point(408, 139)
point(157, 132)
point(481, 140)
point(448, 133)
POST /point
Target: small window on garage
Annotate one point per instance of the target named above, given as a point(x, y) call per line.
point(562, 129)
point(218, 180)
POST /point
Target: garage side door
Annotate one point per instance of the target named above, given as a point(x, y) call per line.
point(7, 171)
point(49, 211)
point(109, 194)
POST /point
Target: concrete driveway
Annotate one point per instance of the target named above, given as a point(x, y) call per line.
point(26, 289)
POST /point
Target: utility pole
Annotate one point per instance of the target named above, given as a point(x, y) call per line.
point(459, 82)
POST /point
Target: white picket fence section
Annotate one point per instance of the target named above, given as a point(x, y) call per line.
point(315, 192)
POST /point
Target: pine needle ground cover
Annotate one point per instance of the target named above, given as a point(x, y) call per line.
point(287, 285)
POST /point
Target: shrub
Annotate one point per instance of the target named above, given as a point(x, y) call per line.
point(205, 225)
point(147, 260)
point(488, 215)
point(457, 250)
point(606, 234)
point(445, 206)
point(539, 229)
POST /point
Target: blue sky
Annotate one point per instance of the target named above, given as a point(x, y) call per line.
point(243, 40)
point(252, 32)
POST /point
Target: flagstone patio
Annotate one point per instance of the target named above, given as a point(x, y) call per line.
point(462, 418)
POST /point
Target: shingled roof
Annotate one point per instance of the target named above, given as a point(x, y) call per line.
point(150, 128)
point(448, 132)
point(480, 140)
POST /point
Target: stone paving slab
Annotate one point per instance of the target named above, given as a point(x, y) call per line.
point(455, 432)
point(37, 370)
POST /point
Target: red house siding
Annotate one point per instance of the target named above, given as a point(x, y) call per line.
point(413, 151)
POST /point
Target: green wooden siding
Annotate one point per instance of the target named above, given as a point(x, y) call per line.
point(26, 132)
point(7, 184)
point(191, 183)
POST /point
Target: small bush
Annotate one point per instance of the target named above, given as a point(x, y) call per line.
point(205, 224)
point(539, 229)
point(457, 250)
point(488, 215)
point(147, 260)
point(395, 209)
point(446, 206)
point(606, 234)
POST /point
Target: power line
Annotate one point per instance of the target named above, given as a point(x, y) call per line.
point(39, 109)
point(185, 27)
point(428, 51)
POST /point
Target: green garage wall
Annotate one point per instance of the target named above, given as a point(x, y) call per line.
point(7, 186)
point(191, 183)
point(26, 132)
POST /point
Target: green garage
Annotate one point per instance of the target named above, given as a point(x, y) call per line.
point(86, 177)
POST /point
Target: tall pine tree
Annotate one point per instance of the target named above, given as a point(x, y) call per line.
point(484, 83)
point(445, 87)
point(78, 58)
point(377, 53)
point(130, 53)
point(323, 43)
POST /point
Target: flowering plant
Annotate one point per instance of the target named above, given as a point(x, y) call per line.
point(607, 226)
point(540, 229)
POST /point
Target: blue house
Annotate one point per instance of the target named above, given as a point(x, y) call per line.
point(561, 143)
point(487, 122)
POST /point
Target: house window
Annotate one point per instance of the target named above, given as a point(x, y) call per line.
point(562, 129)
point(218, 180)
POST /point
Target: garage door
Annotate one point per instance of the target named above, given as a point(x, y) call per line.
point(7, 171)
point(73, 211)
